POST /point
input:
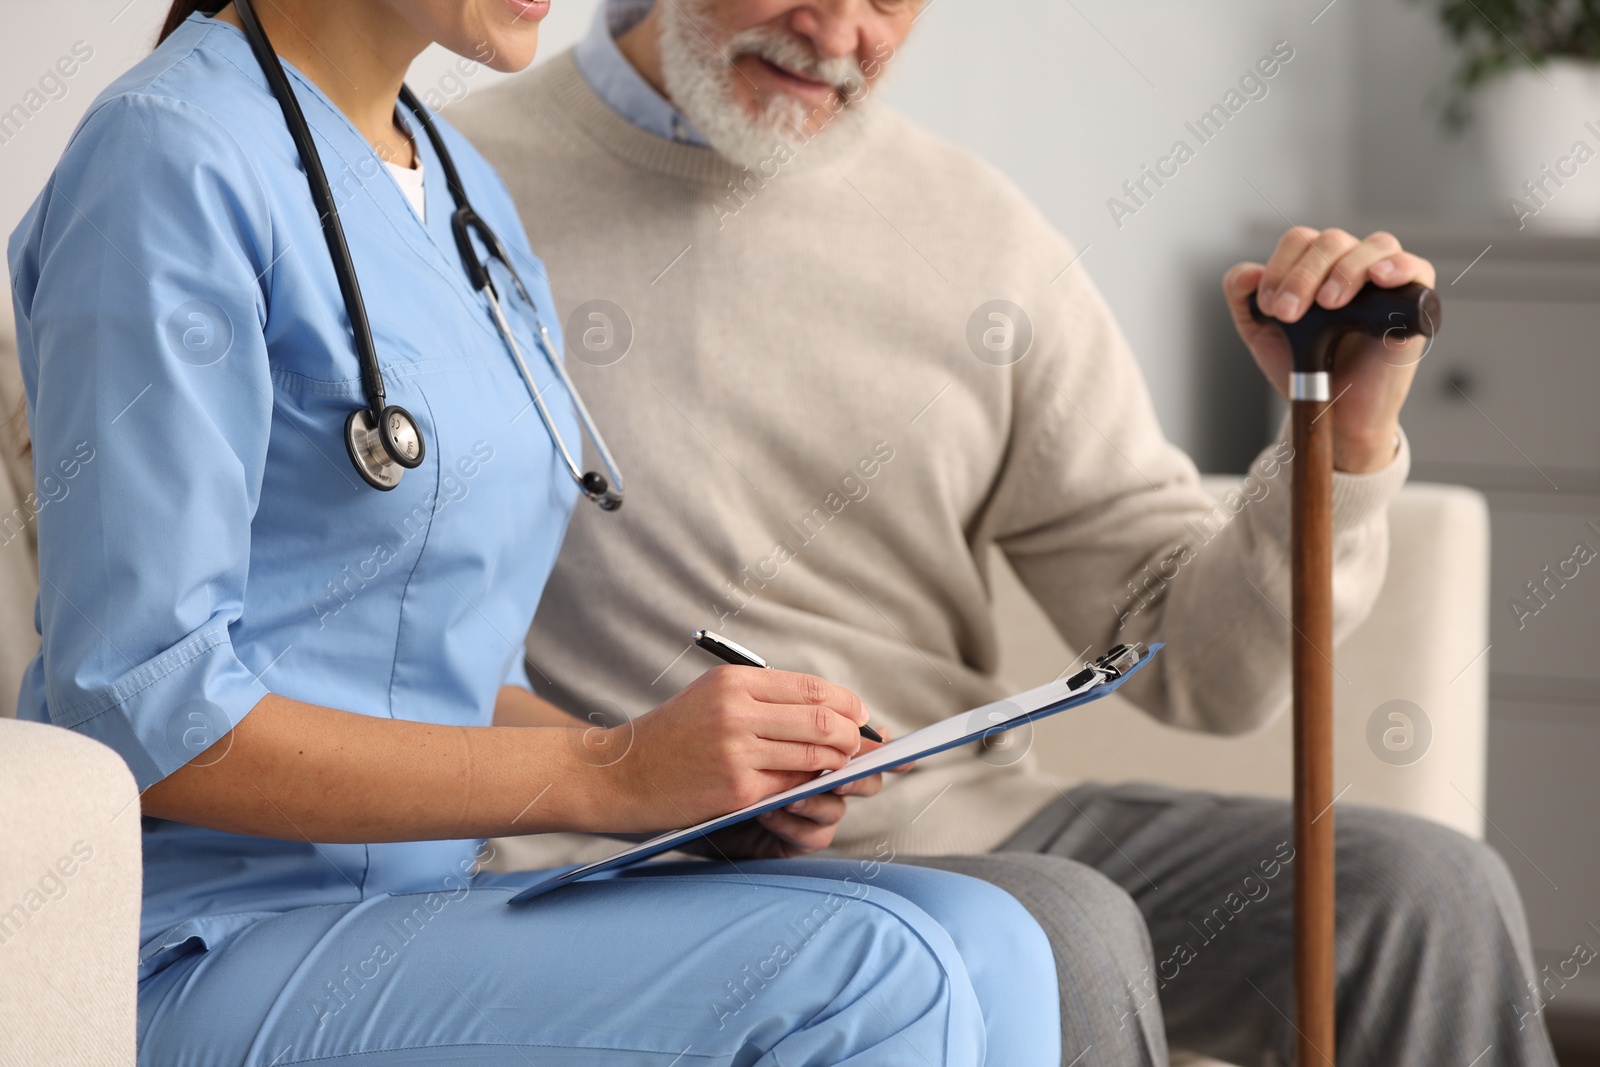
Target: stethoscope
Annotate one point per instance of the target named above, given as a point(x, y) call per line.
point(383, 439)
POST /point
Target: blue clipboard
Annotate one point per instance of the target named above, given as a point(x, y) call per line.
point(960, 729)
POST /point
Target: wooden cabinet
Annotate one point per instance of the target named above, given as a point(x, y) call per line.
point(1508, 400)
point(1506, 397)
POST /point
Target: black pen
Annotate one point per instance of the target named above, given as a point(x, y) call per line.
point(736, 654)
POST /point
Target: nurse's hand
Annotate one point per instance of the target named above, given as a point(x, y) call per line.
point(732, 737)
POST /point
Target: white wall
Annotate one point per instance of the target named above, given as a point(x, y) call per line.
point(1069, 99)
point(1405, 164)
point(119, 33)
point(37, 35)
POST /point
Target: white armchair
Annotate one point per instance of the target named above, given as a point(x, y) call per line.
point(70, 881)
point(1424, 643)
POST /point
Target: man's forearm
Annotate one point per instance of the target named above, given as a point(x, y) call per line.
point(1226, 609)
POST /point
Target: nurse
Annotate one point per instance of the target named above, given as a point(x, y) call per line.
point(290, 586)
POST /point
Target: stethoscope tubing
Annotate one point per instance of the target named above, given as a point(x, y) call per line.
point(609, 499)
point(327, 210)
point(405, 446)
point(534, 391)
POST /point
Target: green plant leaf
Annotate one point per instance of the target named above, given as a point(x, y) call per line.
point(1497, 36)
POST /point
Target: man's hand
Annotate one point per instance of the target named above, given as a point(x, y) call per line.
point(793, 830)
point(1371, 376)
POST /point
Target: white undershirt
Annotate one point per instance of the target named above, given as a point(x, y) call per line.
point(410, 179)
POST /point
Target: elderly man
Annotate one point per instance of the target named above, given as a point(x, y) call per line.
point(838, 360)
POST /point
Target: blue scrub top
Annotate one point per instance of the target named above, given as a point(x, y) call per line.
point(203, 537)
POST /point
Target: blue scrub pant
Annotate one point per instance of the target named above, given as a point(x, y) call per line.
point(777, 963)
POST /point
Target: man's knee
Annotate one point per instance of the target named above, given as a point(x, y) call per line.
point(1423, 865)
point(1088, 918)
point(1086, 899)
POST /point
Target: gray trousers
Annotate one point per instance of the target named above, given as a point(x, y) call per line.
point(1171, 916)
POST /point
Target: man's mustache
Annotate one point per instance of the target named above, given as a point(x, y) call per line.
point(842, 73)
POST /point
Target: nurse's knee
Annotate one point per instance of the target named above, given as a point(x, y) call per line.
point(1085, 915)
point(986, 921)
point(887, 933)
point(884, 948)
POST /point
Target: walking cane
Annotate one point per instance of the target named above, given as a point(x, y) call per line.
point(1392, 314)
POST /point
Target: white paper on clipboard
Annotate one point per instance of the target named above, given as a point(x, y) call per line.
point(962, 728)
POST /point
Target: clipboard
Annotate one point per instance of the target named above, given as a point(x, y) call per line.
point(1100, 678)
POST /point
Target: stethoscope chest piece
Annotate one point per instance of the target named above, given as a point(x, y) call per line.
point(385, 447)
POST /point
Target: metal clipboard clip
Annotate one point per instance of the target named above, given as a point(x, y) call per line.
point(1116, 662)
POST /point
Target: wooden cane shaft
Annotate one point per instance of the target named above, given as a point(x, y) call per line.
point(1312, 554)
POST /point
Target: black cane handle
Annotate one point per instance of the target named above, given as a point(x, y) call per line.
point(1406, 311)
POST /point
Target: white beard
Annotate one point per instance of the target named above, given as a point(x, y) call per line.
point(700, 80)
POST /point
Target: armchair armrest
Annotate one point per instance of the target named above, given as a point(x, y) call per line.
point(70, 879)
point(1423, 643)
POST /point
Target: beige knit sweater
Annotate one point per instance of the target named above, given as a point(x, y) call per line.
point(817, 462)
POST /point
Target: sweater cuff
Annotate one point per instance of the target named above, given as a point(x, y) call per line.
point(1357, 498)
